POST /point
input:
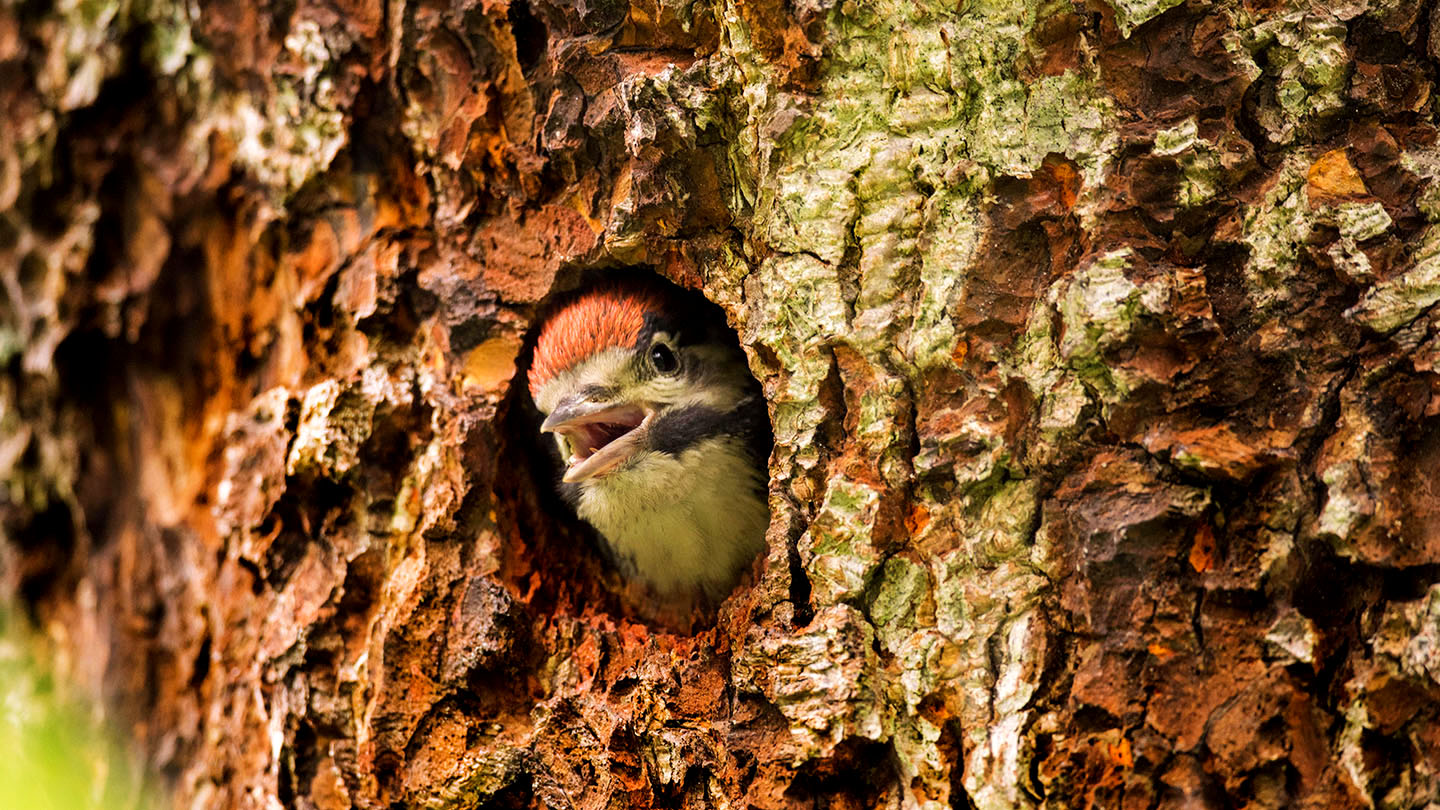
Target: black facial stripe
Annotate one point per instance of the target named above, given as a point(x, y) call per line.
point(679, 429)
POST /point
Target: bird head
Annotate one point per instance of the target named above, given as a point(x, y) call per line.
point(627, 369)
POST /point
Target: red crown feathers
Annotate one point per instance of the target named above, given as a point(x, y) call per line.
point(600, 319)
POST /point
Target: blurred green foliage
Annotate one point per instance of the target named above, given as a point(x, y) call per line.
point(54, 752)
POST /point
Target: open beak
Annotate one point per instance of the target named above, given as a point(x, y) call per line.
point(596, 437)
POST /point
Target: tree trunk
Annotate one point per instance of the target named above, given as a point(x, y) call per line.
point(1100, 342)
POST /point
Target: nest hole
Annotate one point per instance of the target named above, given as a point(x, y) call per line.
point(553, 559)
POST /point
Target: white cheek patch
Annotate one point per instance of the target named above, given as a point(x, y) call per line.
point(664, 389)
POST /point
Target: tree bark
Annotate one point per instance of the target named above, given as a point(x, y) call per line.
point(1099, 338)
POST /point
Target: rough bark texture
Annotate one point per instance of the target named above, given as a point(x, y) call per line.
point(1100, 340)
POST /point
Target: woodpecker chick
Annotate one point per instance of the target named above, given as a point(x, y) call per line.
point(663, 433)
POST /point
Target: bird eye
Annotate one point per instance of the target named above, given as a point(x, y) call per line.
point(663, 359)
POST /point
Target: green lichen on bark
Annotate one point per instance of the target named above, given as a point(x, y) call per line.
point(289, 137)
point(1201, 163)
point(870, 191)
point(1301, 59)
point(1393, 303)
point(873, 181)
point(1099, 309)
point(1130, 13)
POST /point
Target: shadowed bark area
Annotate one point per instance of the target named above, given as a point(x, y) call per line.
point(1099, 338)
